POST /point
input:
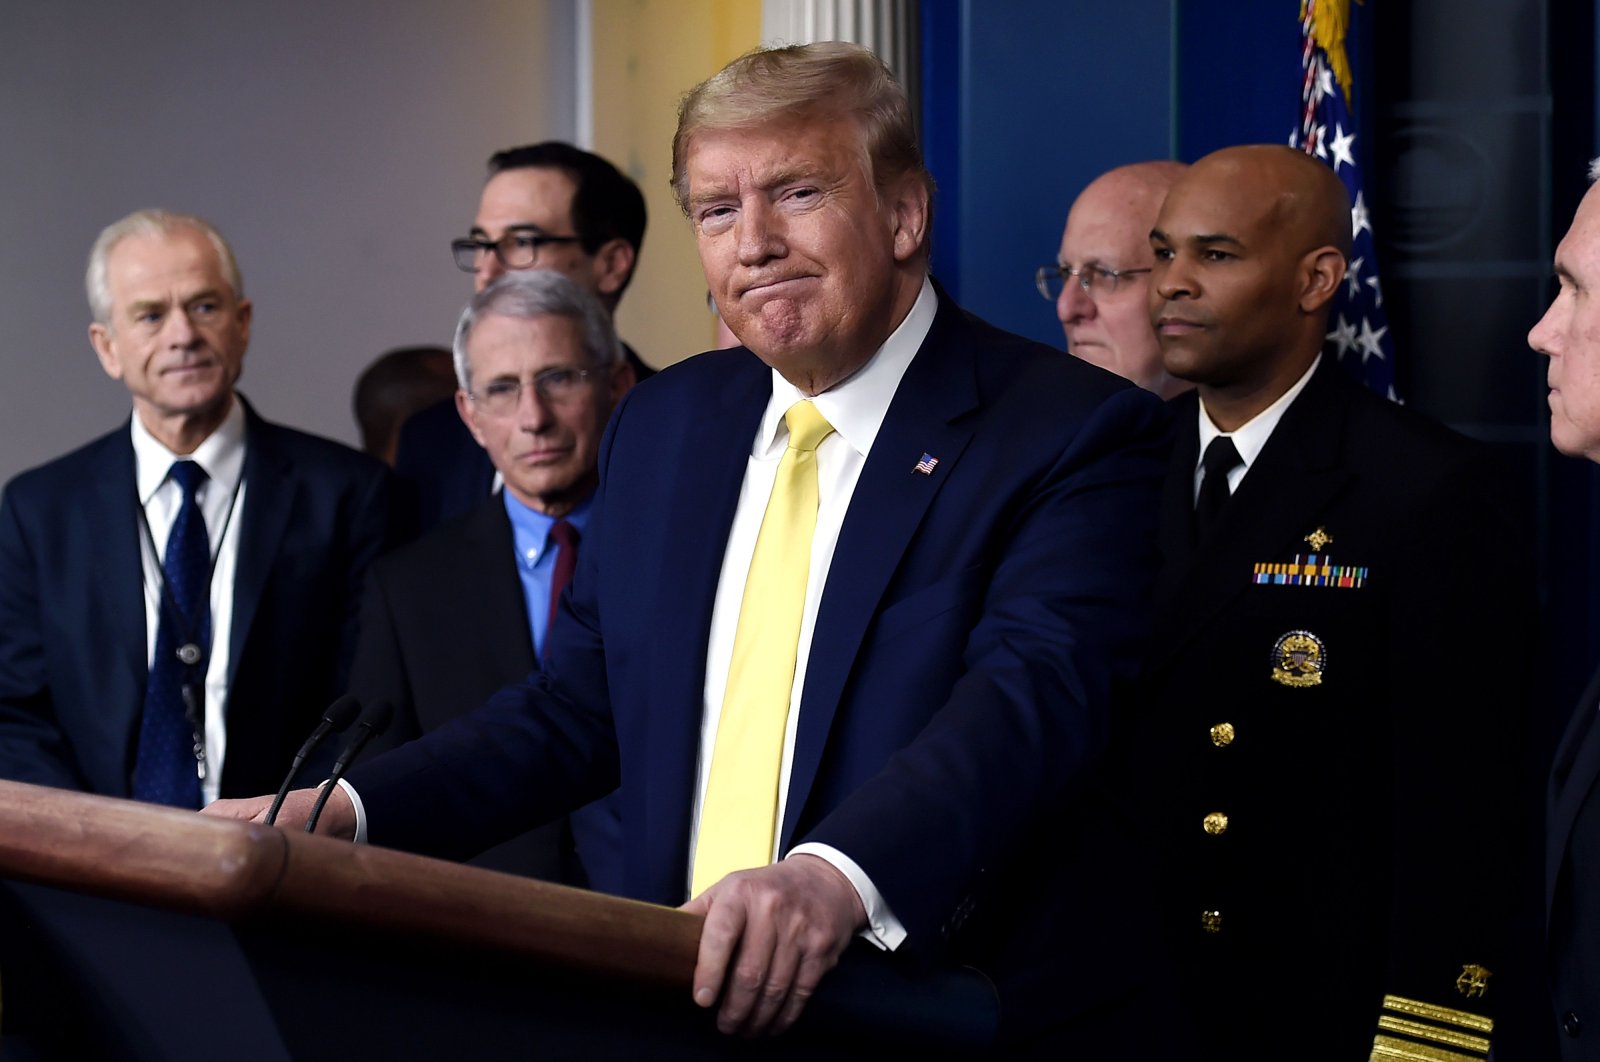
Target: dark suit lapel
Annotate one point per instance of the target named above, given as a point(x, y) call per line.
point(1573, 773)
point(1293, 478)
point(716, 446)
point(118, 568)
point(263, 518)
point(888, 504)
point(488, 565)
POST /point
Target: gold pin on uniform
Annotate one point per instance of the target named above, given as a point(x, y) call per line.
point(1298, 660)
point(1474, 980)
point(1319, 538)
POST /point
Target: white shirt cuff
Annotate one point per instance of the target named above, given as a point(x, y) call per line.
point(361, 811)
point(883, 928)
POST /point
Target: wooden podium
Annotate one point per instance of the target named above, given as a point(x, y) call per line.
point(134, 931)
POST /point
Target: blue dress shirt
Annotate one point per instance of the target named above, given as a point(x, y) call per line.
point(536, 558)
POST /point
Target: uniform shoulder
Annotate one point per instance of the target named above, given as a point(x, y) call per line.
point(1377, 421)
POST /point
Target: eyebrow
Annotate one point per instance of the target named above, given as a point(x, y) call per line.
point(791, 173)
point(137, 308)
point(1199, 238)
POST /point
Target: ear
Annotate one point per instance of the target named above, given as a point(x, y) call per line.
point(105, 349)
point(908, 211)
point(621, 380)
point(1322, 273)
point(246, 313)
point(613, 263)
point(468, 414)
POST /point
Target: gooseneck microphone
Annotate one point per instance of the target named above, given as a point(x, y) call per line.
point(374, 721)
point(340, 714)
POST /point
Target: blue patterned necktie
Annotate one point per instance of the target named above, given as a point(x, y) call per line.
point(165, 771)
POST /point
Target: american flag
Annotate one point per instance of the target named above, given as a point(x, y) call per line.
point(1359, 335)
point(926, 465)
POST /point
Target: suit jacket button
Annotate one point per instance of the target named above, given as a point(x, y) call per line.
point(1216, 823)
point(1570, 1022)
point(1222, 735)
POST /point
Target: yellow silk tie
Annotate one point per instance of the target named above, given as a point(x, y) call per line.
point(738, 818)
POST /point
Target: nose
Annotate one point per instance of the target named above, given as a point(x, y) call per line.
point(179, 330)
point(1542, 335)
point(488, 271)
point(1171, 279)
point(1073, 304)
point(760, 233)
point(533, 411)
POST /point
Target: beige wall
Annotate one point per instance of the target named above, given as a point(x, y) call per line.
point(647, 54)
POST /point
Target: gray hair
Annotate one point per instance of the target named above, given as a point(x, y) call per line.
point(97, 281)
point(1594, 170)
point(527, 294)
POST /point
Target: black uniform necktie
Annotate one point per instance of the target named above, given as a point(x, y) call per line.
point(1221, 458)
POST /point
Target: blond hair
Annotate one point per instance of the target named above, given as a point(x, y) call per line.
point(830, 79)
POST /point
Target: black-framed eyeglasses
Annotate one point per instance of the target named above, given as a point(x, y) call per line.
point(555, 386)
point(517, 249)
point(1093, 279)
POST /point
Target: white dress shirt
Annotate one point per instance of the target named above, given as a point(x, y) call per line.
point(1249, 437)
point(222, 458)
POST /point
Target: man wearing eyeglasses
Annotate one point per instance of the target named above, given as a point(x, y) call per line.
point(545, 206)
point(1101, 281)
point(463, 611)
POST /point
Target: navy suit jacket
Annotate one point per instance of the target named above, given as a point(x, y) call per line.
point(1572, 876)
point(959, 685)
point(73, 659)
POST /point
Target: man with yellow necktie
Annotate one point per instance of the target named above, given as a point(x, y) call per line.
point(853, 602)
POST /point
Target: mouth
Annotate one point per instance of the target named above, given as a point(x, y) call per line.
point(775, 286)
point(546, 455)
point(189, 368)
point(1168, 325)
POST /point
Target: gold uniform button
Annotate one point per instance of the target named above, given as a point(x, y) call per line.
point(1211, 921)
point(1216, 824)
point(1222, 735)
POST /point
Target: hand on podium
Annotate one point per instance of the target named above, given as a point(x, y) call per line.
point(338, 817)
point(769, 936)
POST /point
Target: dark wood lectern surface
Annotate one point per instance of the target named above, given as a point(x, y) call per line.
point(355, 949)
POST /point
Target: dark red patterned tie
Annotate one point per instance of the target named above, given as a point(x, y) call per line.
point(565, 537)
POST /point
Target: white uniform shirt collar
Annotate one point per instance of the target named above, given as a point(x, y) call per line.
point(221, 455)
point(1251, 436)
point(855, 407)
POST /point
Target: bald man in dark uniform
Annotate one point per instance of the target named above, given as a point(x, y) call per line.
point(1321, 755)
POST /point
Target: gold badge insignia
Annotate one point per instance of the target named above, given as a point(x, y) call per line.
point(1319, 538)
point(1298, 660)
point(1474, 980)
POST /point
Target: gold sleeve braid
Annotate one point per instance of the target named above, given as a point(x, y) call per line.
point(1413, 1031)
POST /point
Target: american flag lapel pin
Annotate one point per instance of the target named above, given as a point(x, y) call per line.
point(926, 465)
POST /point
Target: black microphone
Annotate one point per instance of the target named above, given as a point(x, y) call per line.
point(374, 721)
point(340, 714)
